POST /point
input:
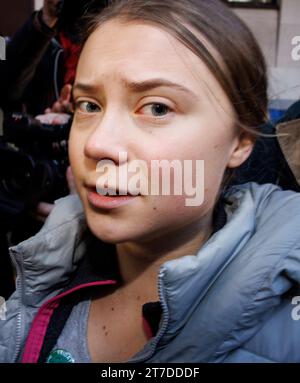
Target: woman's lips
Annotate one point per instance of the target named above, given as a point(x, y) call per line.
point(107, 202)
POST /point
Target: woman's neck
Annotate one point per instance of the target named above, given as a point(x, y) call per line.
point(139, 263)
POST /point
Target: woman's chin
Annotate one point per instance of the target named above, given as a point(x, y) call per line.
point(109, 233)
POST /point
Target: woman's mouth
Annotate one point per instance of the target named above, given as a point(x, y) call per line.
point(107, 202)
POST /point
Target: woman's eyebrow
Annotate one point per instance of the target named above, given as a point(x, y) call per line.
point(139, 86)
point(144, 86)
point(90, 88)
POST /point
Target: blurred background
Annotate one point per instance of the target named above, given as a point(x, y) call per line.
point(273, 22)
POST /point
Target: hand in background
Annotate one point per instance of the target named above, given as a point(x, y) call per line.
point(63, 105)
point(57, 115)
point(44, 209)
point(53, 118)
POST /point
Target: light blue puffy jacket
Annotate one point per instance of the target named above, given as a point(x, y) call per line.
point(230, 302)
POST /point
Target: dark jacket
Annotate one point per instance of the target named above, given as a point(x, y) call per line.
point(268, 162)
point(33, 71)
point(288, 130)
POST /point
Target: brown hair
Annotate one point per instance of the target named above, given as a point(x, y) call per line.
point(242, 72)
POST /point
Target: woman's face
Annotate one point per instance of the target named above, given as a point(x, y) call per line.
point(140, 91)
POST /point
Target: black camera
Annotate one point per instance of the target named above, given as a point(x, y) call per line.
point(34, 160)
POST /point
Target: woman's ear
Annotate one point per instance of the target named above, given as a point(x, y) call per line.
point(242, 151)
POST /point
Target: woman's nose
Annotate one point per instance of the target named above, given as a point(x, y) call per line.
point(107, 140)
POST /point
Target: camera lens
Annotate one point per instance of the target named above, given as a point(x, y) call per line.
point(17, 177)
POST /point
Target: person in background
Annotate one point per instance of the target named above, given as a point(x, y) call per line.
point(288, 131)
point(41, 63)
point(35, 79)
point(42, 58)
point(275, 157)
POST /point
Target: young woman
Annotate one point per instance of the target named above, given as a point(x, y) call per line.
point(146, 277)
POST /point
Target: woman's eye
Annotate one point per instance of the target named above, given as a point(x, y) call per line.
point(156, 110)
point(87, 107)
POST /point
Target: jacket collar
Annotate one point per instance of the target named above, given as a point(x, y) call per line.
point(46, 261)
point(218, 298)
